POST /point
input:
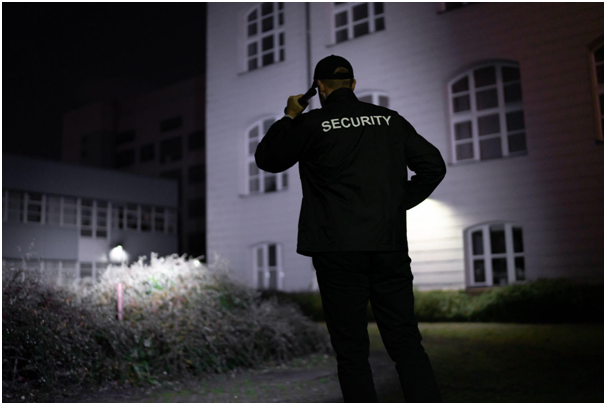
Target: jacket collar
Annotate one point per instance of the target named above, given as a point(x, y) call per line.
point(341, 94)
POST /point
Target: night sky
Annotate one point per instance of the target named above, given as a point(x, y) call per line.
point(60, 56)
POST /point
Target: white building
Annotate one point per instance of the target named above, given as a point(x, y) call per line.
point(511, 94)
point(64, 219)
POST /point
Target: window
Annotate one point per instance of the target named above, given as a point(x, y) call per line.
point(170, 150)
point(486, 113)
point(260, 181)
point(171, 220)
point(265, 35)
point(67, 274)
point(100, 224)
point(197, 208)
point(146, 218)
point(374, 98)
point(148, 152)
point(449, 6)
point(196, 140)
point(596, 56)
point(125, 158)
point(352, 20)
point(16, 200)
point(53, 210)
point(495, 254)
point(100, 269)
point(34, 207)
point(158, 219)
point(50, 274)
point(171, 123)
point(118, 216)
point(86, 217)
point(70, 211)
point(267, 264)
point(196, 174)
point(132, 216)
point(86, 270)
point(124, 137)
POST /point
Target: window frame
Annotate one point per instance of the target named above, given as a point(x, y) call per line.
point(375, 97)
point(597, 88)
point(487, 254)
point(279, 51)
point(348, 9)
point(263, 249)
point(282, 178)
point(502, 109)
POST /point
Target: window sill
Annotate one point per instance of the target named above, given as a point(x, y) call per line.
point(262, 68)
point(260, 194)
point(477, 161)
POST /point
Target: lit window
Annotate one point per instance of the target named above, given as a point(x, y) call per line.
point(596, 55)
point(495, 254)
point(265, 35)
point(352, 20)
point(260, 181)
point(267, 264)
point(486, 113)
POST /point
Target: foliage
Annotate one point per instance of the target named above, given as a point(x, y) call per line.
point(180, 317)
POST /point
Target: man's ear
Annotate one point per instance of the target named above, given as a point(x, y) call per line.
point(353, 84)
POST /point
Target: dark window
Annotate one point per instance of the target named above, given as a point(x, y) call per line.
point(196, 140)
point(125, 158)
point(197, 208)
point(197, 174)
point(170, 150)
point(197, 245)
point(148, 152)
point(171, 123)
point(126, 136)
point(268, 59)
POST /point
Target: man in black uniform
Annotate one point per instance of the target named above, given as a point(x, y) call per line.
point(352, 163)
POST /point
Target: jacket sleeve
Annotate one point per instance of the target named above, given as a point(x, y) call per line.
point(284, 144)
point(426, 161)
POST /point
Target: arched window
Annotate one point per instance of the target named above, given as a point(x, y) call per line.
point(596, 60)
point(265, 35)
point(494, 254)
point(375, 98)
point(267, 264)
point(260, 181)
point(352, 20)
point(486, 113)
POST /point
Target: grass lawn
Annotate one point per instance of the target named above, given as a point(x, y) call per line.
point(498, 362)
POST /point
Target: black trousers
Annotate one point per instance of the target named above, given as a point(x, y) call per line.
point(347, 280)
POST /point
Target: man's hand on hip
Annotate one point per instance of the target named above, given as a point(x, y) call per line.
point(293, 108)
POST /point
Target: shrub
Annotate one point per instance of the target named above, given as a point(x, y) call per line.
point(179, 317)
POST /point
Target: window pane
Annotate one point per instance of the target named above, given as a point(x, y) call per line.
point(268, 43)
point(86, 270)
point(281, 38)
point(479, 273)
point(131, 216)
point(485, 76)
point(490, 148)
point(510, 74)
point(260, 258)
point(383, 101)
point(281, 54)
point(461, 103)
point(260, 276)
point(272, 255)
point(497, 239)
point(477, 243)
point(465, 151)
point(273, 280)
point(281, 19)
point(360, 11)
point(268, 24)
point(512, 93)
point(252, 49)
point(486, 99)
point(515, 120)
point(268, 59)
point(100, 269)
point(252, 147)
point(341, 19)
point(518, 244)
point(360, 29)
point(253, 169)
point(146, 212)
point(252, 64)
point(519, 268)
point(517, 142)
point(378, 8)
point(159, 219)
point(252, 29)
point(270, 182)
point(499, 271)
point(252, 16)
point(463, 130)
point(268, 123)
point(342, 35)
point(254, 184)
point(284, 179)
point(489, 124)
point(379, 24)
point(267, 8)
point(280, 6)
point(461, 85)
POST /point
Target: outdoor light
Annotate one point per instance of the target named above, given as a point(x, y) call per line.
point(197, 263)
point(118, 254)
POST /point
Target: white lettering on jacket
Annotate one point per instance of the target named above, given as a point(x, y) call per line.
point(347, 122)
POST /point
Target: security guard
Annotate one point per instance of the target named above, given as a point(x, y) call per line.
point(352, 162)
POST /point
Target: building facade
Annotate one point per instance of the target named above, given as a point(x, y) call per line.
point(158, 134)
point(64, 220)
point(511, 94)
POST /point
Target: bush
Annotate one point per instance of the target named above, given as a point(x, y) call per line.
point(179, 317)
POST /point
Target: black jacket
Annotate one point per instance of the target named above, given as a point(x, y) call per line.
point(352, 163)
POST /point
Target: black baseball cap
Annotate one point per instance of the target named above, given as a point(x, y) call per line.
point(325, 69)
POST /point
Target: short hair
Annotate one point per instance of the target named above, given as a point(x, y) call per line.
point(334, 84)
